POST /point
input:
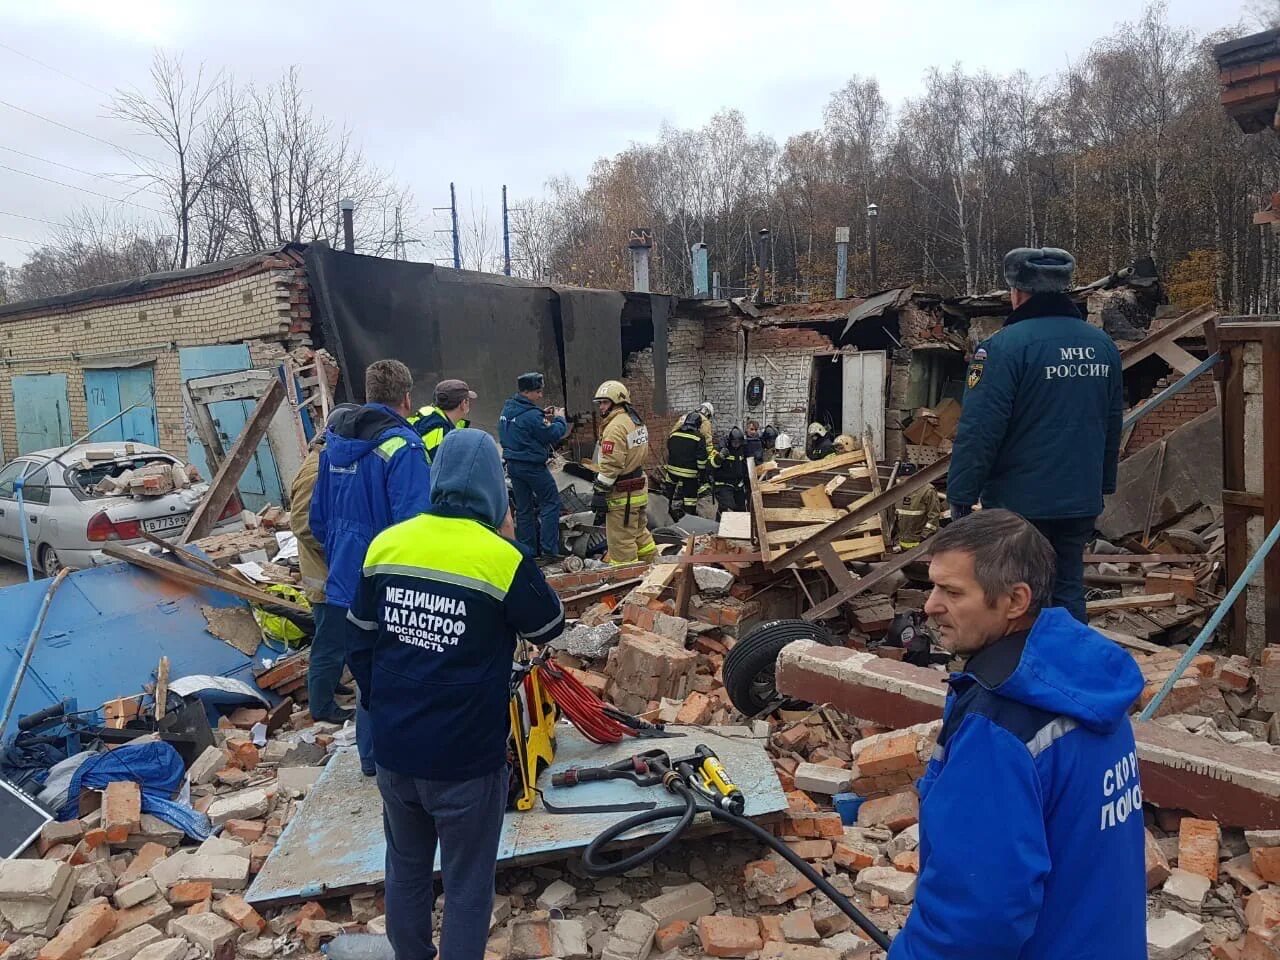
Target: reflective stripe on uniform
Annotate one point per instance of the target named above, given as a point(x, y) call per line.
point(362, 624)
point(387, 448)
point(910, 513)
point(681, 471)
point(476, 558)
point(638, 498)
point(549, 625)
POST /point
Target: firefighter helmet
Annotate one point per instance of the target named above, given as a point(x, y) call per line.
point(736, 438)
point(844, 443)
point(706, 409)
point(692, 422)
point(614, 391)
point(817, 430)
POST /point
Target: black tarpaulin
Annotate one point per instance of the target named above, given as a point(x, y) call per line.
point(477, 327)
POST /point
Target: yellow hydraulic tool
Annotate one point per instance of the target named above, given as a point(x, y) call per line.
point(533, 733)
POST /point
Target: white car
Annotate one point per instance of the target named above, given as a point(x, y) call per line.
point(67, 522)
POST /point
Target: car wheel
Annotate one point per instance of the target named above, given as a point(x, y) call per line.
point(50, 564)
point(750, 666)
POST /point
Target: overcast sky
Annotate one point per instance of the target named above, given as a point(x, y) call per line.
point(486, 93)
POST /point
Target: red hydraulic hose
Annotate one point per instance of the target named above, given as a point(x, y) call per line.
point(584, 709)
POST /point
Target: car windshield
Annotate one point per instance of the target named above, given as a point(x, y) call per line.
point(86, 478)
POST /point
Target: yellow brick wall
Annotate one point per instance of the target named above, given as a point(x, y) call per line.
point(244, 309)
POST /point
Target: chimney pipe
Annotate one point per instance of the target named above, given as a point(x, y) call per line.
point(842, 262)
point(640, 246)
point(701, 277)
point(348, 206)
point(762, 259)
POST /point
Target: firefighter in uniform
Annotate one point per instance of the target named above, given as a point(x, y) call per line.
point(919, 513)
point(820, 444)
point(686, 465)
point(620, 496)
point(708, 412)
point(452, 405)
point(731, 474)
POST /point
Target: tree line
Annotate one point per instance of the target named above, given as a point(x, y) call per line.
point(1126, 153)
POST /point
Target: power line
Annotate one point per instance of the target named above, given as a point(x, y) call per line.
point(33, 243)
point(59, 123)
point(66, 166)
point(49, 66)
point(23, 216)
point(72, 186)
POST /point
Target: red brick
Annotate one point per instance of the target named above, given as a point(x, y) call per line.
point(244, 755)
point(811, 849)
point(674, 934)
point(250, 831)
point(80, 934)
point(235, 909)
point(121, 810)
point(793, 739)
point(189, 892)
point(1198, 847)
point(696, 710)
point(896, 812)
point(729, 936)
point(908, 861)
point(771, 928)
point(96, 837)
point(889, 755)
point(148, 855)
point(312, 911)
point(204, 906)
point(1261, 945)
point(853, 858)
point(1262, 909)
point(1266, 863)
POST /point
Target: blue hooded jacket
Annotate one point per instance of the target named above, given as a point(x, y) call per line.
point(1031, 832)
point(442, 600)
point(1043, 408)
point(373, 473)
point(523, 433)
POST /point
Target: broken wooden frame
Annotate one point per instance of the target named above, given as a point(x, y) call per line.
point(1160, 343)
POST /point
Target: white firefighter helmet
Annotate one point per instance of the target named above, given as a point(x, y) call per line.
point(614, 391)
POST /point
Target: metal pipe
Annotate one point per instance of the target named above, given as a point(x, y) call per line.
point(453, 214)
point(348, 207)
point(506, 235)
point(30, 649)
point(1219, 614)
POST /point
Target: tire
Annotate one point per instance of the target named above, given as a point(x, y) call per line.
point(749, 667)
point(50, 564)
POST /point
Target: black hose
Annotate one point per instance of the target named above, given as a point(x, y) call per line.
point(597, 866)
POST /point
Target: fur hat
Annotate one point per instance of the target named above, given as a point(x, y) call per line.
point(1039, 270)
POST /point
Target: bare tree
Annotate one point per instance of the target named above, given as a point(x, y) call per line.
point(191, 123)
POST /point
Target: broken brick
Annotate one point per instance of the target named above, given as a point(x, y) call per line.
point(80, 934)
point(121, 810)
point(250, 831)
point(729, 936)
point(1266, 863)
point(696, 710)
point(895, 812)
point(1157, 863)
point(1198, 847)
point(189, 892)
point(889, 755)
point(235, 909)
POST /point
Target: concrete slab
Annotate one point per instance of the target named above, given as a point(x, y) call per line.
point(1234, 785)
point(334, 843)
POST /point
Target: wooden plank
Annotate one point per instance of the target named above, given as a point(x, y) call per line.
point(871, 508)
point(684, 559)
point(1234, 517)
point(868, 449)
point(684, 589)
point(1133, 643)
point(815, 498)
point(757, 507)
point(656, 580)
point(834, 484)
point(1176, 357)
point(162, 688)
point(827, 464)
point(835, 568)
point(1184, 325)
point(1242, 498)
point(803, 514)
point(186, 556)
point(176, 571)
point(1271, 478)
point(1137, 602)
point(796, 534)
point(882, 573)
point(224, 483)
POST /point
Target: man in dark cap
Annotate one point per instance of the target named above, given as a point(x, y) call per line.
point(527, 431)
point(451, 409)
point(1040, 430)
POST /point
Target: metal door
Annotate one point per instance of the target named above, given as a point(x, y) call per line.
point(107, 392)
point(863, 401)
point(260, 482)
point(40, 411)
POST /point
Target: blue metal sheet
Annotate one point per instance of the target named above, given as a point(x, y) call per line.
point(260, 483)
point(335, 843)
point(107, 392)
point(40, 411)
point(106, 631)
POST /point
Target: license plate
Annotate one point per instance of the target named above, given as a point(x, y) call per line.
point(174, 522)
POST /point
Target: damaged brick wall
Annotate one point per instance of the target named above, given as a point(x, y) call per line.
point(1194, 400)
point(264, 304)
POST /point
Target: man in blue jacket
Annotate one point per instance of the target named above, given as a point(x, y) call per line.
point(442, 600)
point(1043, 406)
point(373, 473)
point(1031, 833)
point(527, 431)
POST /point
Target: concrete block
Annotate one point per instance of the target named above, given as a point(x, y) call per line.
point(173, 949)
point(35, 894)
point(132, 894)
point(816, 778)
point(221, 847)
point(207, 765)
point(632, 937)
point(559, 895)
point(224, 871)
point(689, 903)
point(1186, 889)
point(569, 940)
point(208, 931)
point(297, 780)
point(245, 805)
point(899, 887)
point(712, 581)
point(127, 945)
point(1172, 936)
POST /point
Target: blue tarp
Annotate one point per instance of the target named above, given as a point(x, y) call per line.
point(156, 768)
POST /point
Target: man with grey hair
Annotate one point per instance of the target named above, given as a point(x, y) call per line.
point(1043, 407)
point(1031, 834)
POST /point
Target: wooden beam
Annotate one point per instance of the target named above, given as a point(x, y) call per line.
point(868, 449)
point(1121, 558)
point(834, 566)
point(1139, 601)
point(1271, 479)
point(224, 483)
point(1176, 357)
point(1233, 515)
point(1151, 345)
point(796, 534)
point(1241, 498)
point(803, 514)
point(206, 430)
point(684, 559)
point(198, 578)
point(186, 556)
point(882, 573)
point(871, 508)
point(757, 508)
point(825, 465)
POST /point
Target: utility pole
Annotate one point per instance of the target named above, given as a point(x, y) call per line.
point(873, 244)
point(842, 262)
point(457, 247)
point(640, 245)
point(506, 235)
point(762, 263)
point(348, 206)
